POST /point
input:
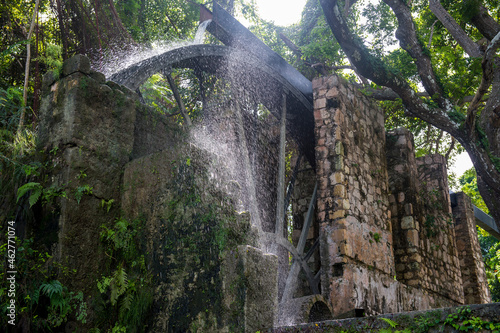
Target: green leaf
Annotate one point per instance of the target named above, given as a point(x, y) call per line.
point(392, 323)
point(37, 191)
point(35, 195)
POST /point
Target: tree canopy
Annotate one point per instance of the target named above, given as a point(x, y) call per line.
point(445, 70)
point(432, 64)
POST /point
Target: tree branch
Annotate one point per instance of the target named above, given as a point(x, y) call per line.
point(432, 33)
point(409, 42)
point(438, 141)
point(178, 99)
point(486, 25)
point(488, 74)
point(471, 48)
point(375, 70)
point(386, 94)
point(295, 49)
point(119, 23)
point(450, 149)
point(347, 6)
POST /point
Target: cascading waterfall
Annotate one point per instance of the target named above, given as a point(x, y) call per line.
point(117, 61)
point(199, 37)
point(242, 173)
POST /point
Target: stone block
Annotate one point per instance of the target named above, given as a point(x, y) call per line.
point(407, 223)
point(99, 77)
point(412, 237)
point(345, 249)
point(339, 191)
point(77, 63)
point(408, 209)
point(319, 103)
point(48, 79)
point(337, 178)
point(339, 163)
point(257, 282)
point(317, 83)
point(339, 148)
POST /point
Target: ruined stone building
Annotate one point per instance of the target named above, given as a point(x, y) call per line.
point(391, 240)
point(385, 236)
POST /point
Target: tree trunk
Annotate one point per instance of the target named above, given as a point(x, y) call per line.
point(454, 29)
point(62, 28)
point(479, 135)
point(27, 69)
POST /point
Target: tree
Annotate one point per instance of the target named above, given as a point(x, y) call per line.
point(27, 68)
point(490, 246)
point(460, 58)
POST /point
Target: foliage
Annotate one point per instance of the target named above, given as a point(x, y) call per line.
point(42, 301)
point(461, 320)
point(10, 107)
point(38, 191)
point(127, 290)
point(81, 190)
point(61, 303)
point(490, 246)
point(52, 59)
point(468, 185)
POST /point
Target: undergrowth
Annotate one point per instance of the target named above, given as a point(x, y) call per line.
point(127, 290)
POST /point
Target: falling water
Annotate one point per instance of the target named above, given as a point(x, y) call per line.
point(233, 165)
point(115, 61)
point(200, 33)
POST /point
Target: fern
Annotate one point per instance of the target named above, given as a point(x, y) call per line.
point(391, 323)
point(36, 191)
point(52, 288)
point(122, 280)
point(125, 304)
point(59, 301)
point(118, 284)
point(81, 190)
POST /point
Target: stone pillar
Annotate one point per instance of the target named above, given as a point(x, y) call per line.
point(87, 129)
point(404, 205)
point(251, 289)
point(475, 285)
point(424, 247)
point(441, 268)
point(352, 206)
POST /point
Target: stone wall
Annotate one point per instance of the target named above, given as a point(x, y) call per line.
point(118, 160)
point(352, 207)
point(87, 131)
point(388, 240)
point(425, 248)
point(404, 206)
point(472, 266)
point(386, 243)
point(440, 265)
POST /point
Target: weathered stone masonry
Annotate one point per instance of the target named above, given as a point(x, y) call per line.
point(388, 238)
point(207, 274)
point(471, 262)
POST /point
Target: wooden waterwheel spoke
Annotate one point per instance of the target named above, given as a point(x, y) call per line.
point(300, 261)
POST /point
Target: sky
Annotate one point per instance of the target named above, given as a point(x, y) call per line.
point(287, 12)
point(282, 12)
